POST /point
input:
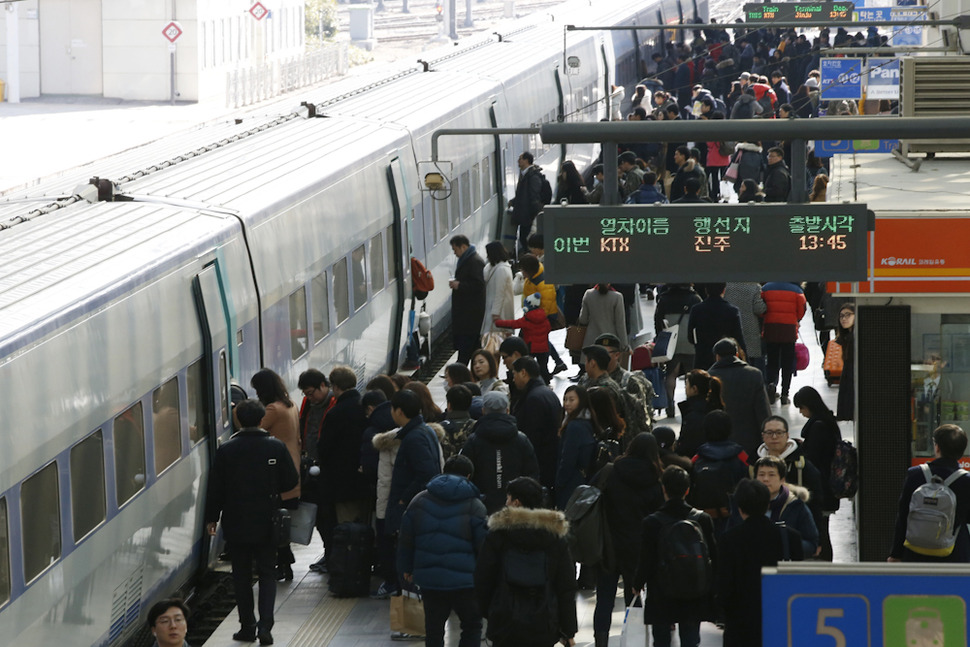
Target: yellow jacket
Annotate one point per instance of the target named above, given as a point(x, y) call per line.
point(547, 291)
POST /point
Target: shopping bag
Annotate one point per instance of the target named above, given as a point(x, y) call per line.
point(731, 174)
point(665, 344)
point(801, 356)
point(574, 338)
point(491, 342)
point(407, 613)
point(302, 522)
point(634, 631)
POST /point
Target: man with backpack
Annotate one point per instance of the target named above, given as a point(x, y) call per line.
point(719, 465)
point(677, 560)
point(934, 506)
point(525, 578)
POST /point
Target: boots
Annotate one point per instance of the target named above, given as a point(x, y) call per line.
point(601, 638)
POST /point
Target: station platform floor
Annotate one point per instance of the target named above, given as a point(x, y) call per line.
point(307, 615)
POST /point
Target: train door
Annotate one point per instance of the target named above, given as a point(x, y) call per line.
point(404, 245)
point(505, 177)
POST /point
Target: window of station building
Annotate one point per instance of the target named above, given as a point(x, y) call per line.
point(198, 416)
point(466, 194)
point(454, 206)
point(377, 263)
point(321, 306)
point(341, 293)
point(165, 425)
point(129, 446)
point(87, 484)
point(4, 553)
point(476, 186)
point(360, 277)
point(299, 342)
point(40, 512)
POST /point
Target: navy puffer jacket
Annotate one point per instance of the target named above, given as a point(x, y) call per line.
point(441, 533)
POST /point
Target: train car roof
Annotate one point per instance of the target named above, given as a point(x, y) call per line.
point(287, 161)
point(76, 260)
point(888, 187)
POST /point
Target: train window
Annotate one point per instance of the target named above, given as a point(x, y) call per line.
point(40, 513)
point(129, 445)
point(4, 553)
point(394, 269)
point(224, 389)
point(440, 209)
point(486, 179)
point(299, 343)
point(87, 484)
point(454, 206)
point(341, 295)
point(466, 194)
point(377, 263)
point(198, 419)
point(165, 425)
point(476, 182)
point(321, 306)
point(360, 277)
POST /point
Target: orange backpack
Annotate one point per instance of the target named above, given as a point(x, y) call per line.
point(422, 281)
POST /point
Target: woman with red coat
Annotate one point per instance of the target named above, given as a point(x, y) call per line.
point(535, 331)
point(786, 307)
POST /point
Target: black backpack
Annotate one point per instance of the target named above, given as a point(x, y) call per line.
point(712, 481)
point(684, 562)
point(545, 189)
point(606, 451)
point(524, 609)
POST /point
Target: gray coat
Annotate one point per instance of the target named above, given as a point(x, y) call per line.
point(745, 401)
point(746, 296)
point(602, 313)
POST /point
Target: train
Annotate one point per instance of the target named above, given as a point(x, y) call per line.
point(130, 303)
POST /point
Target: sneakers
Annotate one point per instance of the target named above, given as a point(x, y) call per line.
point(384, 591)
point(560, 368)
point(400, 636)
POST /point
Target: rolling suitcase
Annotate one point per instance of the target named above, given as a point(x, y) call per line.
point(349, 560)
point(833, 362)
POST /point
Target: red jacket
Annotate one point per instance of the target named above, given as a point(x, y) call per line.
point(786, 307)
point(535, 329)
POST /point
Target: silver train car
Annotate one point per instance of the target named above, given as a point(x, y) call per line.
point(282, 241)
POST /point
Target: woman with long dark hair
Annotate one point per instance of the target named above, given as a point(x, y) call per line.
point(570, 185)
point(282, 421)
point(845, 337)
point(499, 296)
point(609, 424)
point(703, 396)
point(820, 437)
point(631, 491)
point(484, 369)
point(577, 442)
point(429, 410)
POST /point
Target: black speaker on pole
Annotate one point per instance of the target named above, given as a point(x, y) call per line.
point(883, 422)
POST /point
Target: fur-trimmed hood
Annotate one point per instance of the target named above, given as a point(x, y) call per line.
point(550, 521)
point(798, 491)
point(746, 146)
point(438, 430)
point(386, 441)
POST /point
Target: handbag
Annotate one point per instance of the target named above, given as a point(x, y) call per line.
point(575, 336)
point(802, 356)
point(665, 344)
point(731, 174)
point(491, 342)
point(634, 631)
point(407, 614)
point(279, 532)
point(302, 522)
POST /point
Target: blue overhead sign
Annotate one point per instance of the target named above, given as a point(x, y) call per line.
point(907, 35)
point(841, 78)
point(830, 147)
point(872, 14)
point(865, 605)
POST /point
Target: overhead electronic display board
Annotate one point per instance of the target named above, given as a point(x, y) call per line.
point(706, 243)
point(810, 12)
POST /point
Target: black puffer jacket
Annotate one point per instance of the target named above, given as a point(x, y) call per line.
point(500, 453)
point(526, 530)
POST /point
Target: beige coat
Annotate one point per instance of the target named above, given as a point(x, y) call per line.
point(284, 423)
